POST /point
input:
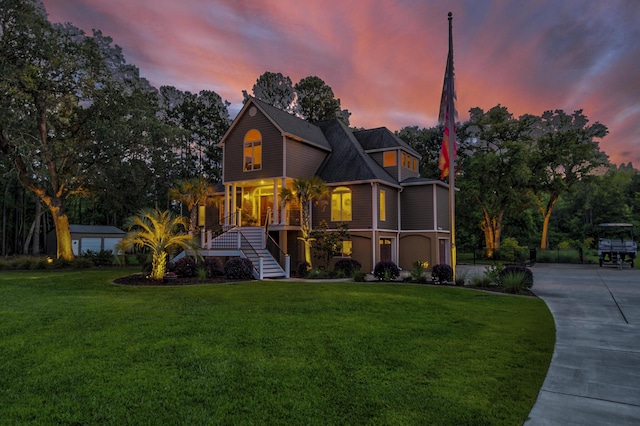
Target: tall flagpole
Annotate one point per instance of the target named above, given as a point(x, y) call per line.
point(451, 122)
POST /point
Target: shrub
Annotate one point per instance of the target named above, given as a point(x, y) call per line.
point(524, 275)
point(479, 280)
point(347, 266)
point(317, 274)
point(386, 271)
point(492, 272)
point(213, 267)
point(81, 263)
point(186, 267)
point(359, 276)
point(461, 278)
point(238, 268)
point(442, 273)
point(99, 258)
point(513, 282)
point(419, 271)
point(303, 269)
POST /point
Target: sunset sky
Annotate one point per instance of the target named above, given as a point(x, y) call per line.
point(385, 59)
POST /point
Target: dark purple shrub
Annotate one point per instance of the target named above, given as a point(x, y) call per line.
point(186, 267)
point(238, 268)
point(442, 273)
point(386, 271)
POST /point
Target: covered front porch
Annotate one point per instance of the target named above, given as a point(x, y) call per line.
point(259, 203)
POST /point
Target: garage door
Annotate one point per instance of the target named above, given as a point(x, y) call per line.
point(93, 244)
point(110, 244)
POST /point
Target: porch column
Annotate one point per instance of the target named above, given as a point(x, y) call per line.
point(227, 210)
point(276, 200)
point(234, 204)
point(283, 207)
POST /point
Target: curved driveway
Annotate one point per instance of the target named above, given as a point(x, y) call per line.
point(594, 376)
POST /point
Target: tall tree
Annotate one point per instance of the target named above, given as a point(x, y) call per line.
point(47, 73)
point(496, 173)
point(199, 121)
point(274, 89)
point(316, 101)
point(74, 111)
point(567, 151)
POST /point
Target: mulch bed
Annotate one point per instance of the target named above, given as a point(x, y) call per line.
point(140, 280)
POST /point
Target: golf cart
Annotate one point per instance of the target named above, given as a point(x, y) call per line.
point(616, 244)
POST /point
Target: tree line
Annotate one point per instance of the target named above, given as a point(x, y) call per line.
point(85, 139)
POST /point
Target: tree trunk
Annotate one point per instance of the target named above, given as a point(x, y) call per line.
point(492, 228)
point(158, 266)
point(36, 233)
point(63, 233)
point(545, 223)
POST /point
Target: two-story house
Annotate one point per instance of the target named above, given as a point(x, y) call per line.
point(392, 213)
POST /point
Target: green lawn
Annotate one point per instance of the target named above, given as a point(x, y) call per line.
point(75, 349)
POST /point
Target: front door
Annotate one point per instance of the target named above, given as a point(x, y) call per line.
point(386, 252)
point(266, 205)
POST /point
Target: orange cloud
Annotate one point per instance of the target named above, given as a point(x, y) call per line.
point(385, 59)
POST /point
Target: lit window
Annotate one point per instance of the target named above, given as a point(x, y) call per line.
point(415, 164)
point(252, 150)
point(347, 248)
point(341, 204)
point(383, 207)
point(201, 215)
point(404, 160)
point(389, 159)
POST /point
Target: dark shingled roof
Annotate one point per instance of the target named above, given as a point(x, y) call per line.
point(294, 126)
point(381, 139)
point(417, 181)
point(348, 162)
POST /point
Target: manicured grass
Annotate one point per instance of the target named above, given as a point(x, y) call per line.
point(76, 350)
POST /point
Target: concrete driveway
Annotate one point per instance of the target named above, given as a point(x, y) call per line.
point(594, 377)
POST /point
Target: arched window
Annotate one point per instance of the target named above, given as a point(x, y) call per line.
point(341, 204)
point(252, 150)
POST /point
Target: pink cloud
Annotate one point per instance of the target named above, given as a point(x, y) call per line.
point(385, 58)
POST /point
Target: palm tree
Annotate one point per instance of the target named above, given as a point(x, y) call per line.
point(162, 232)
point(306, 190)
point(192, 192)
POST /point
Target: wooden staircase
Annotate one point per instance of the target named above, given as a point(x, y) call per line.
point(250, 244)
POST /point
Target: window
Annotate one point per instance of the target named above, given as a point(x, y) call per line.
point(252, 150)
point(389, 159)
point(201, 215)
point(341, 204)
point(383, 207)
point(346, 248)
point(404, 160)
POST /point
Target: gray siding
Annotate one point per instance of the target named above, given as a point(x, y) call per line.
point(302, 160)
point(417, 207)
point(442, 198)
point(391, 208)
point(271, 150)
point(378, 157)
point(360, 205)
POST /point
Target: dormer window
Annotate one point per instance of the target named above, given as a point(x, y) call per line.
point(389, 159)
point(252, 150)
